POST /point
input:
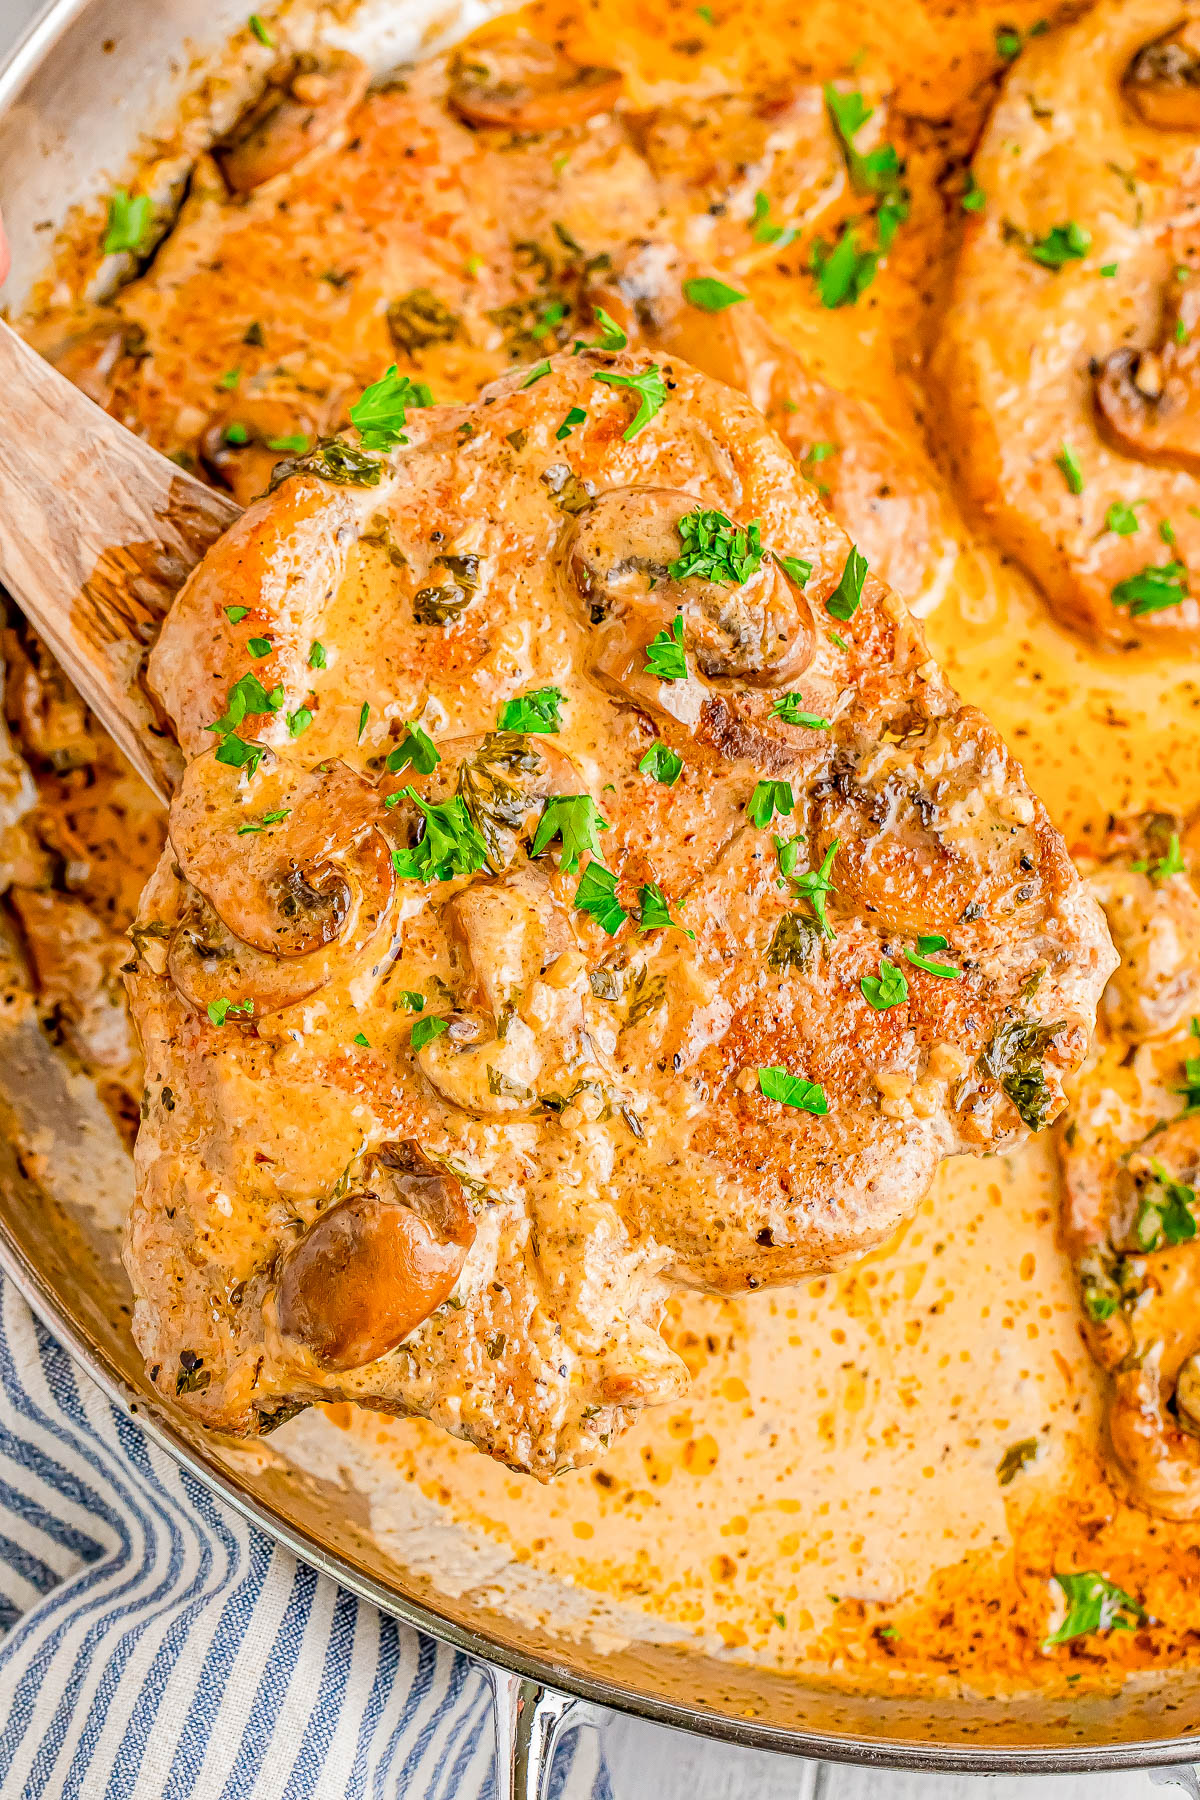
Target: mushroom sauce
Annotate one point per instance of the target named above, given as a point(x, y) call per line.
point(881, 1472)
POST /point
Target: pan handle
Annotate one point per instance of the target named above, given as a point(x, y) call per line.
point(529, 1720)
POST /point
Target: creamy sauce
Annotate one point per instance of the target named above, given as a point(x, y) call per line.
point(828, 1496)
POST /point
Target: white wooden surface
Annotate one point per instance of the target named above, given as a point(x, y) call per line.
point(648, 1763)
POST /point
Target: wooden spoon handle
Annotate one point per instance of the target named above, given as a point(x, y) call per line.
point(97, 535)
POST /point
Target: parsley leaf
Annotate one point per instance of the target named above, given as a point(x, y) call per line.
point(316, 656)
point(1072, 474)
point(790, 1090)
point(246, 696)
point(655, 911)
point(662, 764)
point(235, 614)
point(536, 712)
point(295, 444)
point(449, 845)
point(220, 1010)
point(709, 294)
point(426, 1029)
point(974, 199)
point(575, 818)
point(1008, 42)
point(535, 374)
point(128, 222)
point(268, 818)
point(596, 895)
point(763, 231)
point(612, 338)
point(843, 602)
point(259, 646)
point(575, 417)
point(887, 989)
point(650, 389)
point(416, 747)
point(1094, 1604)
point(815, 887)
point(260, 31)
point(1068, 242)
point(1153, 589)
point(665, 656)
point(237, 754)
point(844, 273)
point(795, 567)
point(1122, 518)
point(789, 708)
point(769, 798)
point(1191, 1075)
point(411, 1000)
point(363, 716)
point(360, 1037)
point(715, 549)
point(919, 958)
point(299, 721)
point(1167, 1211)
point(380, 412)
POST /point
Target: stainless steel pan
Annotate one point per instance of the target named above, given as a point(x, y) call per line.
point(76, 97)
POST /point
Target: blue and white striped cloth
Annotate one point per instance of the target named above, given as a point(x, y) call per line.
point(153, 1646)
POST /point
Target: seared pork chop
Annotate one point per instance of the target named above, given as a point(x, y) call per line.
point(583, 881)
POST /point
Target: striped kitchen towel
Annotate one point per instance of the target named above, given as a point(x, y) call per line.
point(154, 1646)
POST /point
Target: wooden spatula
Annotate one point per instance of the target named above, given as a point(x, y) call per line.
point(97, 535)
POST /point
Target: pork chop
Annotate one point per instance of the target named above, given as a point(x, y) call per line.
point(583, 882)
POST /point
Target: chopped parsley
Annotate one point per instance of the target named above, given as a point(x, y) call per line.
point(662, 764)
point(843, 602)
point(887, 989)
point(229, 380)
point(790, 1090)
point(612, 338)
point(596, 895)
point(247, 696)
point(715, 549)
point(815, 886)
point(363, 716)
point(1122, 518)
point(1167, 1211)
point(1008, 42)
point(360, 1037)
point(796, 568)
point(259, 646)
point(551, 315)
point(769, 798)
point(235, 614)
point(128, 222)
point(650, 389)
point(426, 1029)
point(236, 433)
point(295, 444)
point(1016, 1457)
point(665, 656)
point(220, 1010)
point(260, 31)
point(575, 818)
point(763, 231)
point(1152, 589)
point(1191, 1075)
point(575, 417)
point(237, 754)
point(411, 1000)
point(450, 843)
point(709, 294)
point(654, 911)
point(535, 374)
point(380, 412)
point(416, 747)
point(844, 273)
point(1166, 532)
point(790, 708)
point(1108, 270)
point(268, 818)
point(1094, 1604)
point(316, 656)
point(299, 721)
point(879, 171)
point(1072, 474)
point(1068, 242)
point(973, 199)
point(536, 712)
point(920, 958)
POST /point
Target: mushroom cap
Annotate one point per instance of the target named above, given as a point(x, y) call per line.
point(1162, 82)
point(304, 102)
point(527, 86)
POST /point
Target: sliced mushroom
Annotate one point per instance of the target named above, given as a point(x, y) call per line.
point(1187, 1394)
point(256, 431)
point(1160, 1461)
point(207, 963)
point(282, 886)
point(305, 101)
point(1149, 400)
point(506, 931)
point(92, 359)
point(527, 86)
point(1162, 83)
point(378, 1263)
point(758, 632)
